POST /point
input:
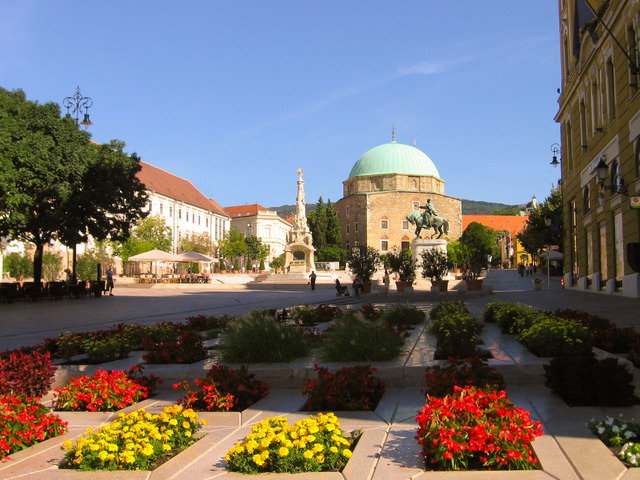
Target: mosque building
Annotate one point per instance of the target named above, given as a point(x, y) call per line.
point(384, 185)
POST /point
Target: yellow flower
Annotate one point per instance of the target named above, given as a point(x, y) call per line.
point(203, 422)
point(346, 453)
point(103, 455)
point(307, 454)
point(320, 458)
point(186, 424)
point(283, 452)
point(166, 447)
point(334, 449)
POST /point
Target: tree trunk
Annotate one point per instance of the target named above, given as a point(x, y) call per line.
point(37, 266)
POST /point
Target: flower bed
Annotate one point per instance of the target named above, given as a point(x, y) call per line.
point(476, 429)
point(312, 445)
point(24, 422)
point(349, 389)
point(134, 441)
point(623, 438)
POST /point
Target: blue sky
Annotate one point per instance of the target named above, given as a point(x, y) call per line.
point(236, 96)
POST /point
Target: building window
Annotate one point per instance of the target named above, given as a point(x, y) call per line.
point(206, 222)
point(384, 245)
point(638, 158)
point(587, 200)
point(356, 226)
point(611, 90)
point(616, 177)
point(186, 214)
point(161, 209)
point(150, 206)
point(347, 211)
point(596, 120)
point(416, 205)
point(633, 53)
point(583, 125)
point(569, 139)
point(170, 211)
point(179, 214)
point(384, 224)
point(347, 229)
point(198, 219)
point(404, 246)
point(405, 225)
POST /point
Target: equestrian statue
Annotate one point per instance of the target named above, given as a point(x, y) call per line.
point(429, 218)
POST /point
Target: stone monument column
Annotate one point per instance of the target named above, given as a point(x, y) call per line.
point(299, 253)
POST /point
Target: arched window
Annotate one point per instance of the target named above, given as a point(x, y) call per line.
point(384, 223)
point(638, 157)
point(616, 177)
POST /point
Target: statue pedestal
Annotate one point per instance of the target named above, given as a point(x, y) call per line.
point(419, 245)
point(299, 258)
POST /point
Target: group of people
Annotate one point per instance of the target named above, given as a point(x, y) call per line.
point(108, 274)
point(529, 270)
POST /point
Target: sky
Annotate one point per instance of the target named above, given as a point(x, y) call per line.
point(236, 96)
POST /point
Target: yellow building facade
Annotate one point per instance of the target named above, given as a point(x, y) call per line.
point(599, 116)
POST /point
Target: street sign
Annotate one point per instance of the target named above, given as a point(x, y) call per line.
point(634, 202)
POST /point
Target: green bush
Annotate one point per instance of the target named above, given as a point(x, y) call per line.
point(584, 380)
point(489, 312)
point(402, 315)
point(456, 334)
point(507, 314)
point(258, 337)
point(443, 309)
point(554, 337)
point(355, 339)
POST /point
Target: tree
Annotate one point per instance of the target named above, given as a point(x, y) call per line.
point(89, 260)
point(198, 242)
point(537, 235)
point(255, 248)
point(363, 262)
point(19, 266)
point(51, 266)
point(55, 184)
point(477, 243)
point(149, 233)
point(232, 245)
point(317, 221)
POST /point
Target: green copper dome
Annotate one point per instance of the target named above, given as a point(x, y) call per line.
point(394, 158)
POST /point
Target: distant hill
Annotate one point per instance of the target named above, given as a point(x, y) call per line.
point(469, 207)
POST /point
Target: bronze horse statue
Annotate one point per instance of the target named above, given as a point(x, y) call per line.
point(439, 224)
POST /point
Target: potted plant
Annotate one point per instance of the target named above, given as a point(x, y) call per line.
point(249, 266)
point(476, 244)
point(236, 266)
point(223, 267)
point(261, 265)
point(435, 265)
point(363, 262)
point(404, 265)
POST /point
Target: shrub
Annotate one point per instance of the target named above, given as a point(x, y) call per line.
point(476, 429)
point(443, 309)
point(315, 444)
point(139, 439)
point(100, 350)
point(470, 372)
point(106, 391)
point(370, 312)
point(456, 334)
point(24, 422)
point(349, 389)
point(257, 337)
point(489, 312)
point(28, 374)
point(552, 337)
point(354, 339)
point(224, 389)
point(606, 335)
point(586, 381)
point(187, 348)
point(305, 316)
point(507, 314)
point(402, 315)
point(327, 313)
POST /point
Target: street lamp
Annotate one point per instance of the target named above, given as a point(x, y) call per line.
point(79, 105)
point(555, 148)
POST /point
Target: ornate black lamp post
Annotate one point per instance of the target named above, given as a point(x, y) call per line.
point(79, 105)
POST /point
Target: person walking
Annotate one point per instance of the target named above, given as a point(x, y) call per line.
point(110, 280)
point(312, 278)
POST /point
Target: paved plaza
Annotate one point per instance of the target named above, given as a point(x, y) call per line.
point(387, 449)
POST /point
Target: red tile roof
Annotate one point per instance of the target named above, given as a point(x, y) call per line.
point(513, 223)
point(172, 186)
point(245, 210)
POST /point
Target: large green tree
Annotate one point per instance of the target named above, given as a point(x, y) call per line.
point(537, 235)
point(56, 184)
point(233, 244)
point(326, 233)
point(477, 244)
point(317, 221)
point(149, 233)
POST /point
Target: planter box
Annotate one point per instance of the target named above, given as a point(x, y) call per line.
point(400, 286)
point(442, 284)
point(474, 285)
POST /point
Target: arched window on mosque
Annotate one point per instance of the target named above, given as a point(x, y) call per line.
point(384, 223)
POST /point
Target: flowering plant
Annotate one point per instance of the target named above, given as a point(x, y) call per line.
point(187, 348)
point(476, 429)
point(615, 432)
point(106, 391)
point(315, 444)
point(30, 373)
point(472, 371)
point(24, 422)
point(349, 389)
point(224, 389)
point(133, 441)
